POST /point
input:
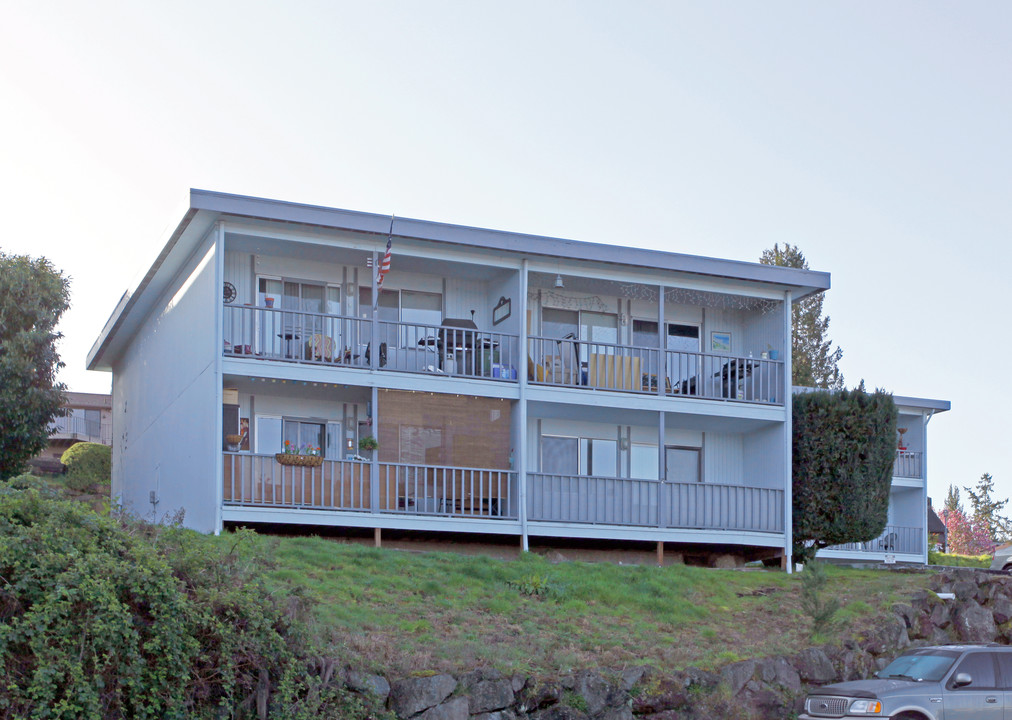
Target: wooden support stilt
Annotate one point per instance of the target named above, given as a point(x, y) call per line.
point(660, 553)
point(378, 537)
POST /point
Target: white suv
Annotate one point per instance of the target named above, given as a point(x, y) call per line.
point(944, 682)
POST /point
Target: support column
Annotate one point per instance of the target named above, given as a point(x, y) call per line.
point(374, 345)
point(374, 475)
point(660, 553)
point(522, 455)
point(662, 360)
point(788, 436)
point(662, 472)
point(377, 537)
point(218, 241)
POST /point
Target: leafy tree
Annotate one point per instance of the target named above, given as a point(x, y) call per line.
point(33, 296)
point(844, 447)
point(987, 510)
point(952, 502)
point(965, 535)
point(814, 360)
point(88, 464)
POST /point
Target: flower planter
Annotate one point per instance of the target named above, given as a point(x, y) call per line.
point(299, 460)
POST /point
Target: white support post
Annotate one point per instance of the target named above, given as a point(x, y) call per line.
point(375, 344)
point(662, 470)
point(662, 360)
point(521, 455)
point(788, 436)
point(374, 478)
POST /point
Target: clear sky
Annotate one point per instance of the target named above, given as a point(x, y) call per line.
point(876, 136)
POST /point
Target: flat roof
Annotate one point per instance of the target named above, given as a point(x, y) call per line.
point(204, 207)
point(908, 401)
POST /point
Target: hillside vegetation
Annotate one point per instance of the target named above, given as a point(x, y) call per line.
point(398, 611)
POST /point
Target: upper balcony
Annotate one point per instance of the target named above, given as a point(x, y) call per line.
point(299, 304)
point(79, 425)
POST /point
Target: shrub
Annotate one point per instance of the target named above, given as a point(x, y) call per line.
point(844, 449)
point(87, 464)
point(821, 609)
point(102, 618)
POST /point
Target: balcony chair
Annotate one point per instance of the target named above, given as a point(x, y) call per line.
point(382, 357)
point(888, 542)
point(321, 347)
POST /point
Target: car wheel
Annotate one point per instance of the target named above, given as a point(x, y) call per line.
point(1007, 568)
point(908, 716)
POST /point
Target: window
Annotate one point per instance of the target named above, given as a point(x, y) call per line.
point(682, 464)
point(1005, 665)
point(579, 456)
point(560, 455)
point(559, 323)
point(645, 333)
point(406, 306)
point(980, 667)
point(684, 338)
point(643, 461)
point(273, 431)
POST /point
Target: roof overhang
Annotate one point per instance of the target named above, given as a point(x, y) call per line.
point(205, 207)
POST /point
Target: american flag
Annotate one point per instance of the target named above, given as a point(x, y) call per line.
point(384, 266)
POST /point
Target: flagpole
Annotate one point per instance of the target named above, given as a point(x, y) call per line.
point(378, 277)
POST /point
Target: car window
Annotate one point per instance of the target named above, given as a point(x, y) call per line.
point(980, 667)
point(930, 665)
point(1005, 665)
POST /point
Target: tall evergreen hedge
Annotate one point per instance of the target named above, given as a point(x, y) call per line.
point(844, 448)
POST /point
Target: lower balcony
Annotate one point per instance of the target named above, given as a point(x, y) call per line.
point(649, 503)
point(894, 540)
point(255, 480)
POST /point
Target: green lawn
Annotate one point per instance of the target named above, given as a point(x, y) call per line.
point(953, 560)
point(404, 611)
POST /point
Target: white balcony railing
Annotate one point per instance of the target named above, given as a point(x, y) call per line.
point(894, 539)
point(576, 363)
point(314, 338)
point(623, 501)
point(257, 480)
point(78, 426)
point(908, 464)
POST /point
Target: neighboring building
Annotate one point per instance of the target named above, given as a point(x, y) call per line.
point(87, 418)
point(517, 385)
point(905, 538)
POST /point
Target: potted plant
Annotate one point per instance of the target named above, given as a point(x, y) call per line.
point(305, 456)
point(233, 442)
point(368, 443)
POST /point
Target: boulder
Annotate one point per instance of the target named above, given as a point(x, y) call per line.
point(974, 624)
point(736, 675)
point(536, 695)
point(727, 562)
point(596, 692)
point(497, 715)
point(1001, 609)
point(906, 612)
point(488, 695)
point(558, 712)
point(813, 666)
point(667, 693)
point(413, 695)
point(455, 709)
point(964, 590)
point(367, 683)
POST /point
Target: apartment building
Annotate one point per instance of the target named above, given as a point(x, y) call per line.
point(269, 369)
point(86, 417)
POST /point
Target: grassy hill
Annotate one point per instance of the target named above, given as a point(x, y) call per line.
point(400, 612)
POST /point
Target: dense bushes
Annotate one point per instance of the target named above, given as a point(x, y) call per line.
point(87, 464)
point(844, 448)
point(104, 619)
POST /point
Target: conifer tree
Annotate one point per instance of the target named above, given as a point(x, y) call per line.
point(952, 502)
point(987, 510)
point(814, 359)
